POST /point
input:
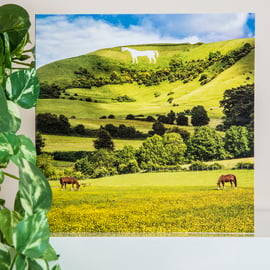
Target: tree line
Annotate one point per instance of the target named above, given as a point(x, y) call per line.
point(165, 152)
point(173, 147)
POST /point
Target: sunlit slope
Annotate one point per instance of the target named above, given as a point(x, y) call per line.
point(103, 62)
point(185, 95)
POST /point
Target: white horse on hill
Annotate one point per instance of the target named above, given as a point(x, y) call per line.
point(135, 53)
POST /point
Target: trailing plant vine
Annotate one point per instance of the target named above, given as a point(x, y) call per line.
point(24, 231)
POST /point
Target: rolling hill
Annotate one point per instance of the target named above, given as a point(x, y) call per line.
point(130, 82)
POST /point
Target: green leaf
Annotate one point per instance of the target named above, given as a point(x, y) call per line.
point(18, 206)
point(5, 259)
point(27, 150)
point(2, 202)
point(15, 119)
point(35, 191)
point(20, 48)
point(8, 221)
point(15, 21)
point(21, 263)
point(31, 236)
point(7, 63)
point(38, 264)
point(23, 88)
point(9, 145)
point(4, 113)
point(50, 254)
point(9, 114)
point(56, 267)
point(2, 177)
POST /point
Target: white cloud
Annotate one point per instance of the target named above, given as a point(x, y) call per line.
point(57, 38)
point(207, 27)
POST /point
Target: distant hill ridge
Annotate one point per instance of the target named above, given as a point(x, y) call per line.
point(103, 62)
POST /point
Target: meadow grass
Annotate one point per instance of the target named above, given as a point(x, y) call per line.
point(70, 143)
point(155, 203)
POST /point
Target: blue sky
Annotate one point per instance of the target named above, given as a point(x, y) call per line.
point(63, 36)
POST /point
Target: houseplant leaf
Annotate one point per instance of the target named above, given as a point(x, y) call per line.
point(5, 259)
point(21, 262)
point(38, 264)
point(50, 254)
point(35, 191)
point(8, 221)
point(27, 150)
point(31, 235)
point(9, 146)
point(15, 21)
point(17, 204)
point(23, 88)
point(9, 114)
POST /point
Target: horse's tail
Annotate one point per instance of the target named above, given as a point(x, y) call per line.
point(61, 180)
point(156, 53)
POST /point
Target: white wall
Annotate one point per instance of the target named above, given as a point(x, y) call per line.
point(174, 253)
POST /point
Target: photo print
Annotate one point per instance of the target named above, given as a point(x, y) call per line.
point(145, 123)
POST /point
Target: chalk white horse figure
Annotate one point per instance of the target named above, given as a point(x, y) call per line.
point(135, 53)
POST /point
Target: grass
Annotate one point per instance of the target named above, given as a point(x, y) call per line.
point(185, 96)
point(155, 203)
point(70, 143)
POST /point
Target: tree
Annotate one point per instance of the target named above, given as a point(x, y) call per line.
point(51, 124)
point(205, 144)
point(175, 148)
point(171, 117)
point(152, 150)
point(40, 142)
point(237, 141)
point(63, 124)
point(184, 133)
point(199, 116)
point(104, 140)
point(181, 119)
point(238, 106)
point(158, 128)
point(79, 129)
point(167, 150)
point(44, 163)
point(163, 119)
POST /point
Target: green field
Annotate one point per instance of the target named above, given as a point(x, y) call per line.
point(69, 143)
point(155, 203)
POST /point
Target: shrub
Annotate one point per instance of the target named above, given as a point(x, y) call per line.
point(198, 166)
point(111, 116)
point(244, 165)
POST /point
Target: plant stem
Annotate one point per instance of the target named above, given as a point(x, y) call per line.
point(11, 176)
point(13, 262)
point(21, 63)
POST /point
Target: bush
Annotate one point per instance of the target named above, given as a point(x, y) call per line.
point(198, 166)
point(201, 166)
point(244, 165)
point(100, 172)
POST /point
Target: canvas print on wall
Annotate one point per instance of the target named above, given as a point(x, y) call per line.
point(145, 122)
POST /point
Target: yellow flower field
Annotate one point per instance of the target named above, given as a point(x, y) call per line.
point(155, 203)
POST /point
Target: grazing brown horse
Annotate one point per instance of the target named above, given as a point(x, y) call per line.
point(227, 178)
point(69, 180)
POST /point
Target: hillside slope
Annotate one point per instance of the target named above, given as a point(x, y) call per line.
point(159, 98)
point(104, 61)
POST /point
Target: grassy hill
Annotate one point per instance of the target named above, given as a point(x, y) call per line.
point(146, 100)
point(63, 71)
